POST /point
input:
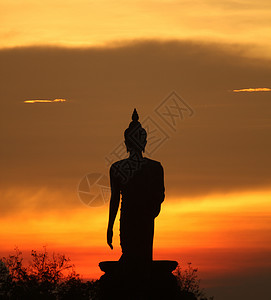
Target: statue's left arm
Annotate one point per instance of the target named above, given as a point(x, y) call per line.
point(160, 190)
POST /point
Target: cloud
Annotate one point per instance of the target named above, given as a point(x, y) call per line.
point(250, 90)
point(57, 145)
point(45, 101)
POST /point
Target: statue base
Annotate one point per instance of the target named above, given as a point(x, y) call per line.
point(138, 282)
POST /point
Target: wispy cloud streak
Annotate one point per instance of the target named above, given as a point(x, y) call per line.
point(45, 101)
point(250, 90)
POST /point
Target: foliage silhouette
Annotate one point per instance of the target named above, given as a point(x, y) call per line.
point(189, 283)
point(46, 277)
point(54, 277)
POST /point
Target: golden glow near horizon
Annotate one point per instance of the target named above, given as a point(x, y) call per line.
point(86, 23)
point(250, 90)
point(45, 101)
point(213, 214)
point(220, 221)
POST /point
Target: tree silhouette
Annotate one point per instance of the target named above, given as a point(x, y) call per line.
point(46, 277)
point(189, 283)
point(54, 277)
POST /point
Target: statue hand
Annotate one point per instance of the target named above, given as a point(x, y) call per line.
point(157, 210)
point(109, 238)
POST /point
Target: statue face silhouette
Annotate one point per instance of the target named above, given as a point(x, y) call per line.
point(135, 137)
point(131, 147)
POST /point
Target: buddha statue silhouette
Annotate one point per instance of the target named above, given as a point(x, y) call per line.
point(140, 181)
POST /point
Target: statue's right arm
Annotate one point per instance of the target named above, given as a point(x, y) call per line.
point(114, 206)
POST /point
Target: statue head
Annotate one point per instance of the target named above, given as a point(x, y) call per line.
point(135, 136)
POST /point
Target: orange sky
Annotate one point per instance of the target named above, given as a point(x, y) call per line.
point(86, 23)
point(210, 231)
point(102, 59)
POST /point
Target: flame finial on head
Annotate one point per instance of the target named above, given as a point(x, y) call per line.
point(135, 116)
point(135, 136)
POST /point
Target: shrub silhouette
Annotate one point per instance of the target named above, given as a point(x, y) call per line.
point(54, 277)
point(189, 283)
point(46, 277)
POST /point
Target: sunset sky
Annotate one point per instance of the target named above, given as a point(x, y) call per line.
point(71, 74)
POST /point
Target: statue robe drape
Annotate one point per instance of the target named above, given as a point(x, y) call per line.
point(141, 184)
